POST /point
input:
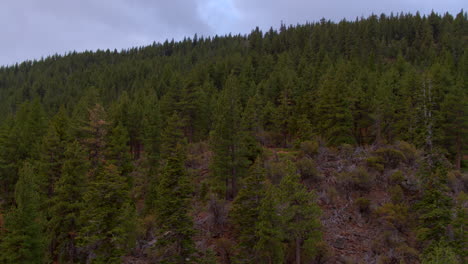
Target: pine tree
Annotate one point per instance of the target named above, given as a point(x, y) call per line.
point(67, 205)
point(107, 217)
point(175, 226)
point(383, 106)
point(269, 247)
point(245, 208)
point(333, 109)
point(172, 135)
point(229, 159)
point(434, 208)
point(251, 126)
point(94, 137)
point(9, 158)
point(118, 151)
point(20, 140)
point(23, 240)
point(283, 117)
point(299, 212)
point(51, 152)
point(454, 124)
point(152, 129)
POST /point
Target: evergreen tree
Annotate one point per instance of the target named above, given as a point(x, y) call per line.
point(454, 123)
point(67, 205)
point(20, 141)
point(269, 247)
point(118, 151)
point(107, 217)
point(333, 110)
point(9, 158)
point(94, 138)
point(152, 129)
point(172, 207)
point(245, 209)
point(251, 126)
point(383, 107)
point(52, 152)
point(229, 160)
point(299, 212)
point(172, 135)
point(434, 208)
point(23, 239)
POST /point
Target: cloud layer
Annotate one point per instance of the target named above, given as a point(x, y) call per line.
point(32, 29)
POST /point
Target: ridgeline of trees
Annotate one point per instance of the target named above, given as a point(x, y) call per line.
point(106, 155)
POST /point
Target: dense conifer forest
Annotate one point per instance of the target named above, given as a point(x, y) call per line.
point(328, 142)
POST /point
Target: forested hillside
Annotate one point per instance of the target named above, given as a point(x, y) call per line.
point(318, 143)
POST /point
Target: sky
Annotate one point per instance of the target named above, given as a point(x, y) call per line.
point(31, 29)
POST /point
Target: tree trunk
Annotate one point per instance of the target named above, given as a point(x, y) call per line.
point(459, 153)
point(298, 250)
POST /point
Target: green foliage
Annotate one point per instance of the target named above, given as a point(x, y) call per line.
point(152, 126)
point(405, 82)
point(309, 148)
point(359, 179)
point(298, 211)
point(67, 205)
point(308, 169)
point(229, 153)
point(106, 217)
point(20, 140)
point(246, 208)
point(118, 151)
point(440, 253)
point(394, 215)
point(363, 204)
point(376, 163)
point(333, 110)
point(22, 241)
point(175, 226)
point(409, 150)
point(391, 157)
point(460, 238)
point(52, 152)
point(269, 247)
point(434, 208)
point(396, 194)
point(397, 177)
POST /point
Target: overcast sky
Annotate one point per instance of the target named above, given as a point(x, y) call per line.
point(30, 29)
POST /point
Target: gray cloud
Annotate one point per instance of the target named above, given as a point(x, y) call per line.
point(34, 28)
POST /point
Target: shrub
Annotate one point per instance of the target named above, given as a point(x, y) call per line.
point(409, 150)
point(363, 204)
point(395, 215)
point(440, 253)
point(359, 179)
point(454, 181)
point(319, 252)
point(396, 194)
point(397, 178)
point(376, 163)
point(308, 169)
point(309, 147)
point(407, 254)
point(332, 194)
point(346, 150)
point(391, 157)
point(284, 155)
point(204, 191)
point(275, 171)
